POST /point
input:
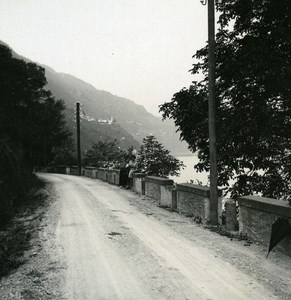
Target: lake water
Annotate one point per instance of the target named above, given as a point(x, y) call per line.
point(189, 172)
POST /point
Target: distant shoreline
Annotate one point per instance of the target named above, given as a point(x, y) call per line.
point(186, 154)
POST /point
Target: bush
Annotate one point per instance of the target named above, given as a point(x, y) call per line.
point(15, 179)
point(155, 160)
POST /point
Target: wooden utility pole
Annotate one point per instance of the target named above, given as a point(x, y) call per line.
point(211, 114)
point(78, 137)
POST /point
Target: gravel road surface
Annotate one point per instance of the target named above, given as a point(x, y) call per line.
point(114, 244)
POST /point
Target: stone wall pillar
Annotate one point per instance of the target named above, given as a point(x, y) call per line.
point(230, 215)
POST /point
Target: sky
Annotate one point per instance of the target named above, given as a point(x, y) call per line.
point(137, 49)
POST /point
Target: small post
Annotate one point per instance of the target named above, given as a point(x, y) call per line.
point(78, 138)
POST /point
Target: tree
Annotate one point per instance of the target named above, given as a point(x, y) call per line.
point(64, 154)
point(253, 93)
point(14, 179)
point(155, 160)
point(32, 124)
point(105, 154)
point(30, 116)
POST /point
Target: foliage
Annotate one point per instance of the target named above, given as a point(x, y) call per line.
point(15, 236)
point(14, 179)
point(253, 94)
point(155, 160)
point(30, 116)
point(64, 154)
point(106, 154)
point(32, 124)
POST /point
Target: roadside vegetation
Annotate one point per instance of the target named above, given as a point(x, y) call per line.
point(152, 158)
point(253, 99)
point(253, 93)
point(16, 234)
point(107, 154)
point(32, 128)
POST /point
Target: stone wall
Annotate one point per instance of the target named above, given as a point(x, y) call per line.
point(194, 200)
point(160, 189)
point(256, 216)
point(74, 170)
point(61, 169)
point(139, 183)
point(90, 172)
point(113, 176)
point(102, 174)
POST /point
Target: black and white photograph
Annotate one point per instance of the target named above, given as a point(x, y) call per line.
point(145, 149)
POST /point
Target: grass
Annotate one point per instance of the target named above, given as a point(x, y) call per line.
point(15, 236)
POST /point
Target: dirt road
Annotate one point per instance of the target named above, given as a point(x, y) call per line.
point(115, 249)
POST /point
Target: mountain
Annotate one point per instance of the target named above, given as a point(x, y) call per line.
point(102, 105)
point(95, 124)
point(106, 117)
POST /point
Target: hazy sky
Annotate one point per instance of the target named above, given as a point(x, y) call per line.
point(137, 49)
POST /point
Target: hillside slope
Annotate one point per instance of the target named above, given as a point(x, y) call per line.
point(103, 105)
point(131, 121)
